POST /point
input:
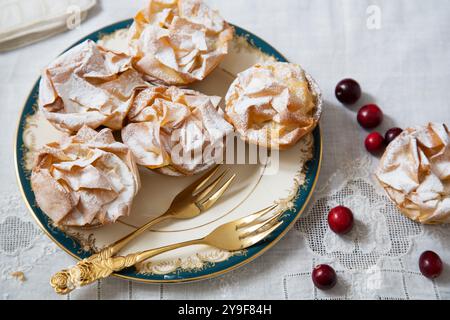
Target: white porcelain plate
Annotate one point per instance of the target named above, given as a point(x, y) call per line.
point(257, 186)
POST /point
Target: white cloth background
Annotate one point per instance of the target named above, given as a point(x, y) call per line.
point(403, 66)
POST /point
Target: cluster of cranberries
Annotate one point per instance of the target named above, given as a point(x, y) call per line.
point(348, 91)
point(340, 219)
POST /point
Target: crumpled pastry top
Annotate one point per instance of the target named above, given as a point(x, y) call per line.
point(273, 104)
point(177, 42)
point(176, 131)
point(88, 85)
point(415, 172)
point(85, 180)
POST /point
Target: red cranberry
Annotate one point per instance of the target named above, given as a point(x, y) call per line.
point(348, 91)
point(391, 134)
point(340, 220)
point(430, 264)
point(370, 116)
point(324, 277)
point(374, 142)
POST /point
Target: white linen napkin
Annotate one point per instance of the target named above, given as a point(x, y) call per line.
point(26, 21)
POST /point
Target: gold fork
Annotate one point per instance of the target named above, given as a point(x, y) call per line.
point(189, 203)
point(232, 236)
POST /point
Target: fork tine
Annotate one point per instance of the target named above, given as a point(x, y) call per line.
point(251, 218)
point(202, 195)
point(250, 230)
point(199, 183)
point(215, 196)
point(251, 240)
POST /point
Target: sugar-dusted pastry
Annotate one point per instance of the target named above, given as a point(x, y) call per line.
point(176, 131)
point(178, 41)
point(415, 172)
point(88, 85)
point(273, 104)
point(85, 180)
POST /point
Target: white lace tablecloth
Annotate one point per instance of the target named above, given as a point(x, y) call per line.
point(401, 61)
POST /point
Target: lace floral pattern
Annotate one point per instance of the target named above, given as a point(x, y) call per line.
point(22, 244)
point(380, 230)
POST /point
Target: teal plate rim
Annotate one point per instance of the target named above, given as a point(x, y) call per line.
point(71, 246)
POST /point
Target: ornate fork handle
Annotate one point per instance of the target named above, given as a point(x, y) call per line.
point(100, 264)
point(98, 267)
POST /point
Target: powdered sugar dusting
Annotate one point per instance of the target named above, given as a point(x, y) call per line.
point(415, 172)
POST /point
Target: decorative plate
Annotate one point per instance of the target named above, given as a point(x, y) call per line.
point(288, 182)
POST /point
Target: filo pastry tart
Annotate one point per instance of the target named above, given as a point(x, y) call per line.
point(273, 104)
point(88, 85)
point(85, 180)
point(177, 42)
point(175, 131)
point(415, 173)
